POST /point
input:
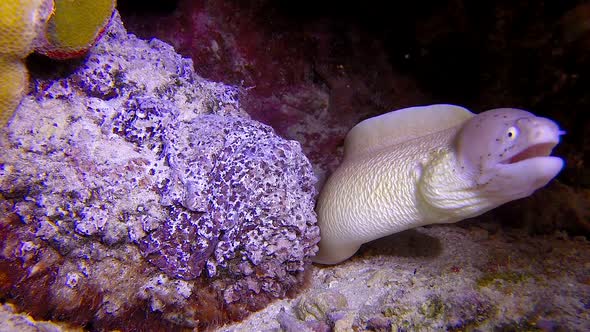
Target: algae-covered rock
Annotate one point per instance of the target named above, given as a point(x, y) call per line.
point(318, 305)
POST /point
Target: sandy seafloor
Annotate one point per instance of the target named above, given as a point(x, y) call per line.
point(447, 277)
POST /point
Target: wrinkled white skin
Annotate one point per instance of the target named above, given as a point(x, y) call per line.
point(442, 177)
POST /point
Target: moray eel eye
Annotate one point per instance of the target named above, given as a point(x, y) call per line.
point(512, 133)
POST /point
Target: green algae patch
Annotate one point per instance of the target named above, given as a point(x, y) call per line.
point(395, 312)
point(521, 326)
point(432, 308)
point(499, 278)
point(318, 306)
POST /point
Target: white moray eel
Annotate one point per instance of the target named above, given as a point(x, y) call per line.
point(427, 165)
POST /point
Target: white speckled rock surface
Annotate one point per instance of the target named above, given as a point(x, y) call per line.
point(11, 320)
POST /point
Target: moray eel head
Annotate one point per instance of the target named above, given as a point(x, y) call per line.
point(507, 152)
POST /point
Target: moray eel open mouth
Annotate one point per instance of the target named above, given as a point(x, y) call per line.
point(537, 150)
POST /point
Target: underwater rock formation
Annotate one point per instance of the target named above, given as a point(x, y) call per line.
point(444, 278)
point(136, 194)
point(11, 320)
point(239, 201)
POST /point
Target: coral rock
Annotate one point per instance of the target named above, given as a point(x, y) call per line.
point(60, 29)
point(239, 200)
point(21, 21)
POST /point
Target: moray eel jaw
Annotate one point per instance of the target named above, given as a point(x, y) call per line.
point(521, 179)
point(540, 150)
point(517, 159)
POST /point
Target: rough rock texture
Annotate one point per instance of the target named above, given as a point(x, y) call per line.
point(124, 176)
point(11, 320)
point(252, 193)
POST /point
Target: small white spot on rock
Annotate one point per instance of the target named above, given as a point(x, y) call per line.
point(27, 246)
point(72, 279)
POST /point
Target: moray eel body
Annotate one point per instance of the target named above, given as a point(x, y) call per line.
point(427, 165)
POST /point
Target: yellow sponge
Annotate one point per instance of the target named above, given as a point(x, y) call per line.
point(75, 26)
point(58, 28)
point(20, 23)
point(13, 81)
